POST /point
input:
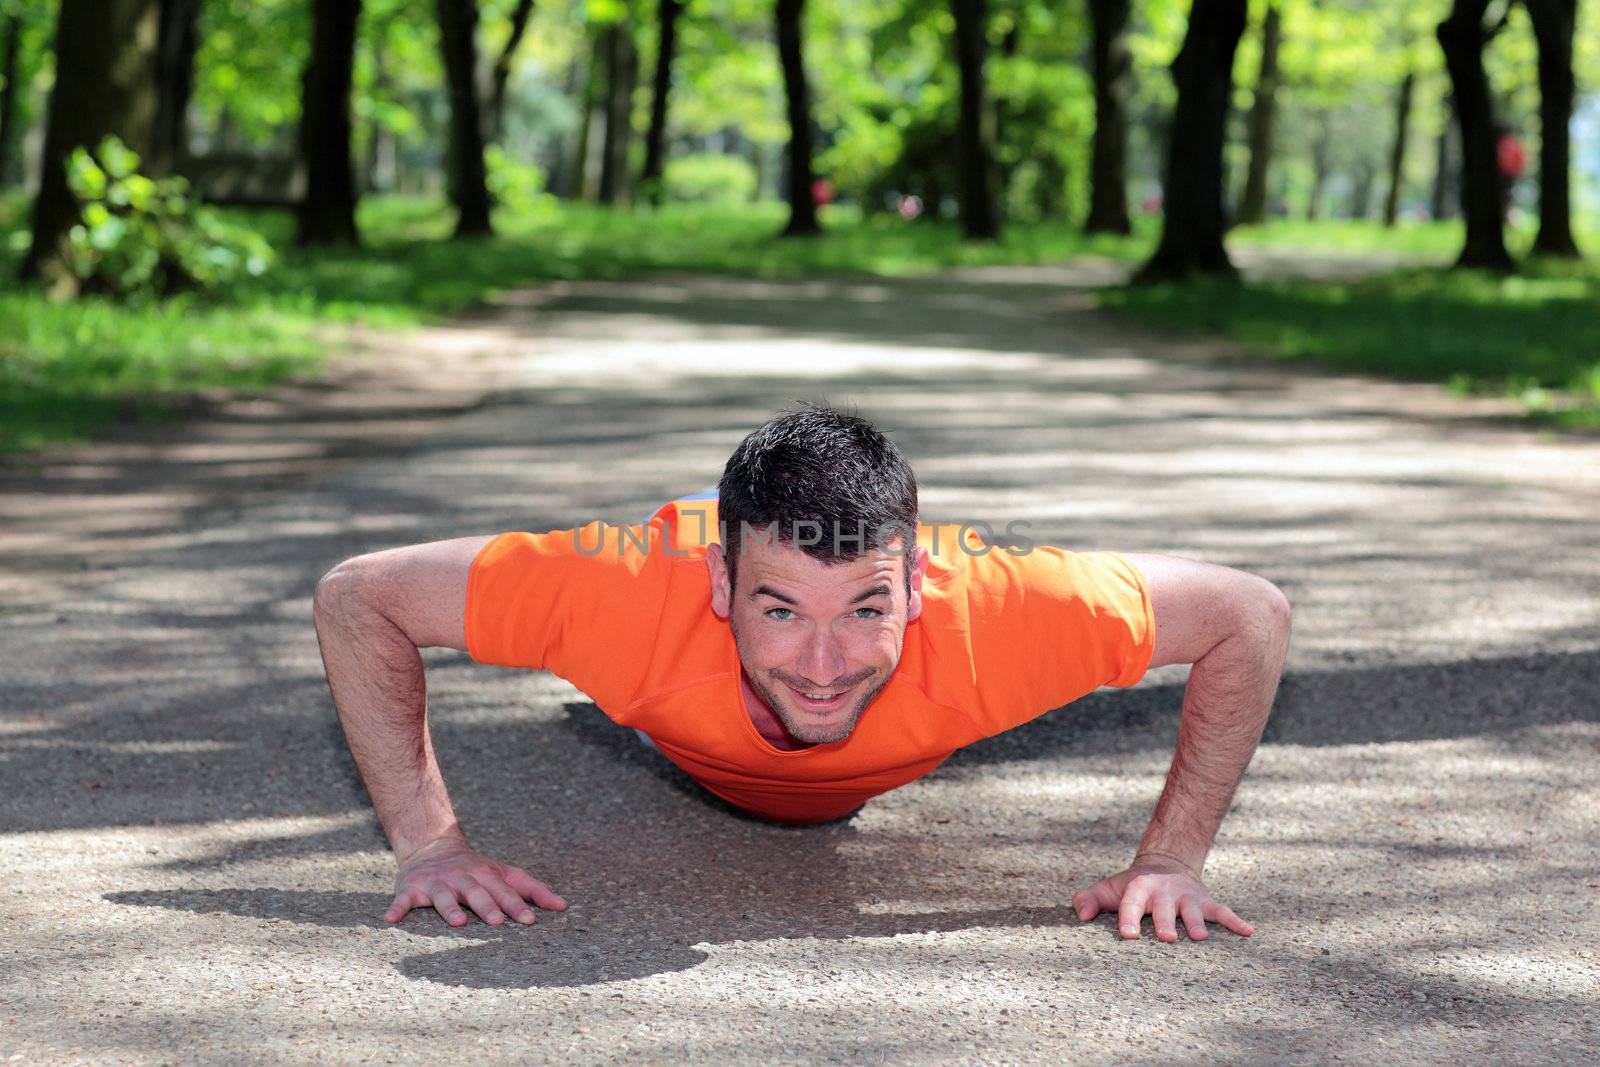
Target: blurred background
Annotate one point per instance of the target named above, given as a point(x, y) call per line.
point(192, 191)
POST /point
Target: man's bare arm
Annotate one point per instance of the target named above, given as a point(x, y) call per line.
point(373, 613)
point(1234, 627)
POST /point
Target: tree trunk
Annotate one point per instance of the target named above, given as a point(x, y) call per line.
point(1319, 166)
point(1192, 221)
point(328, 212)
point(179, 37)
point(758, 165)
point(1462, 36)
point(979, 219)
point(1111, 64)
point(8, 92)
point(655, 142)
point(622, 75)
point(802, 200)
point(1397, 157)
point(500, 77)
point(585, 184)
point(469, 181)
point(1446, 176)
point(1263, 122)
point(1361, 191)
point(1553, 25)
point(105, 85)
point(376, 169)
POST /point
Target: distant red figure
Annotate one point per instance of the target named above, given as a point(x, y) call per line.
point(822, 192)
point(1513, 158)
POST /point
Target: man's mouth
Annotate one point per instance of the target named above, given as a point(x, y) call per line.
point(821, 700)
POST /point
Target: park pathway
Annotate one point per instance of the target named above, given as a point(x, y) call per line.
point(193, 872)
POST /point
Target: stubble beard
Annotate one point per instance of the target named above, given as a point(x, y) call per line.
point(803, 728)
point(793, 724)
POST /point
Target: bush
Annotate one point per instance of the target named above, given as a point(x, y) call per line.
point(710, 179)
point(515, 185)
point(140, 238)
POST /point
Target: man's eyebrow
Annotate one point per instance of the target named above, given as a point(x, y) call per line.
point(865, 594)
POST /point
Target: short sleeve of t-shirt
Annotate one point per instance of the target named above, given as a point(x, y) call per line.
point(583, 604)
point(1050, 626)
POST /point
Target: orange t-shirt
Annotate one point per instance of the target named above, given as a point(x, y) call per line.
point(624, 614)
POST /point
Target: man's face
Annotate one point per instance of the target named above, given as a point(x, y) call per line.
point(806, 628)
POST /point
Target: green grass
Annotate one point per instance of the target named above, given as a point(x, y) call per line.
point(68, 370)
point(1438, 241)
point(408, 264)
point(1534, 336)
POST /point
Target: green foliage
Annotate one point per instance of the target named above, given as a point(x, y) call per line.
point(515, 185)
point(1534, 337)
point(141, 239)
point(709, 179)
point(250, 61)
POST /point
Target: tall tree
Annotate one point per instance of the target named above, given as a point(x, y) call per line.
point(622, 76)
point(105, 85)
point(1263, 120)
point(1321, 144)
point(655, 141)
point(500, 76)
point(10, 47)
point(802, 199)
point(1447, 166)
point(1111, 64)
point(179, 37)
point(980, 221)
point(1397, 155)
point(1192, 220)
point(469, 181)
point(1463, 37)
point(591, 123)
point(1554, 22)
point(328, 211)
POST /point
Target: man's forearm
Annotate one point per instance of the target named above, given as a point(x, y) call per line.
point(1225, 708)
point(376, 676)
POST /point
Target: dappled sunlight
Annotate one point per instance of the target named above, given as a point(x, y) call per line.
point(1412, 841)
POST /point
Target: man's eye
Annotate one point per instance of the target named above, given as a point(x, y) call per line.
point(772, 613)
point(871, 613)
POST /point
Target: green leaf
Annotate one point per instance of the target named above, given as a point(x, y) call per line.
point(117, 158)
point(84, 176)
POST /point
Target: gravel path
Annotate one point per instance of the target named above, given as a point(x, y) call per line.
point(193, 873)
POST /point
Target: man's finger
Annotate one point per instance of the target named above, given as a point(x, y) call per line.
point(509, 899)
point(534, 890)
point(1135, 902)
point(1164, 910)
point(444, 902)
point(1102, 896)
point(479, 900)
point(1194, 919)
point(403, 903)
point(1221, 913)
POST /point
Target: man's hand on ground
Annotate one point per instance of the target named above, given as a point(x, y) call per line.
point(447, 873)
point(1164, 890)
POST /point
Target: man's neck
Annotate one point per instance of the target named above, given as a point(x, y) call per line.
point(766, 722)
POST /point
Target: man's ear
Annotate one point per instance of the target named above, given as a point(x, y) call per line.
point(919, 567)
point(721, 587)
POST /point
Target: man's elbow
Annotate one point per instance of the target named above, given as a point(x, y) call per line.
point(337, 591)
point(1271, 614)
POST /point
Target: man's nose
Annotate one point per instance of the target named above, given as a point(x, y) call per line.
point(822, 660)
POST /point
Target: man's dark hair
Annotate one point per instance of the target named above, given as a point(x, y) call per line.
point(816, 465)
